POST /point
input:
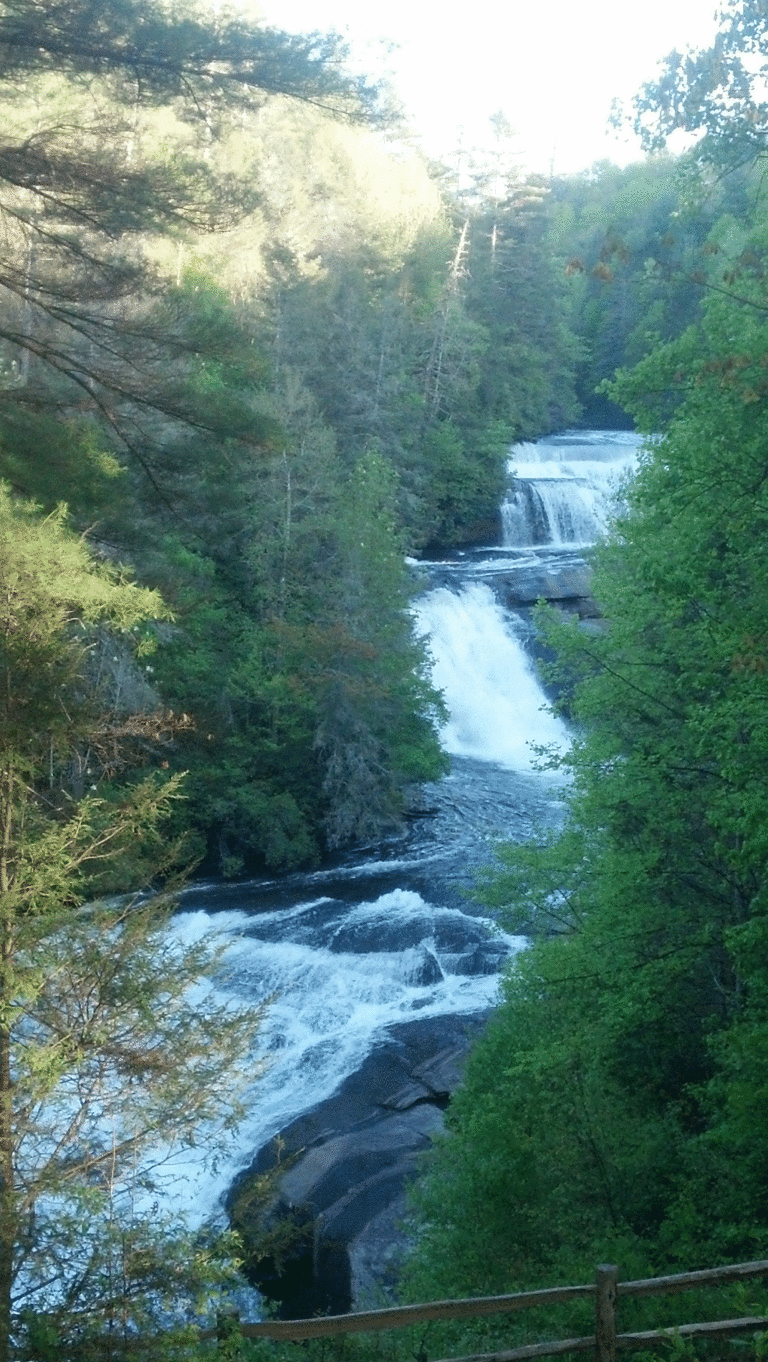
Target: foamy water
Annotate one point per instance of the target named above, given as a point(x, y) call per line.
point(337, 977)
point(497, 709)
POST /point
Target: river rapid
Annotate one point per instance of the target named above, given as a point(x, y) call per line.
point(393, 934)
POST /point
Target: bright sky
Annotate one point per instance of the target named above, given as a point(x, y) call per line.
point(552, 66)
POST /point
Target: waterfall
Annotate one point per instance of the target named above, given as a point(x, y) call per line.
point(497, 710)
point(389, 936)
point(342, 960)
point(561, 490)
point(339, 968)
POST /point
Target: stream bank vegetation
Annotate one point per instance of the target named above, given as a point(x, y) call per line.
point(113, 1057)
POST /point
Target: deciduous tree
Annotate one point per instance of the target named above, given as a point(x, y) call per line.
point(714, 94)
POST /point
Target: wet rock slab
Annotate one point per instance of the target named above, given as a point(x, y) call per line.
point(569, 580)
point(349, 1160)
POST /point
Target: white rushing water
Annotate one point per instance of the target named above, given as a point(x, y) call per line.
point(497, 710)
point(562, 488)
point(338, 975)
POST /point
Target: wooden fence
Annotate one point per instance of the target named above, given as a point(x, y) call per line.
point(606, 1291)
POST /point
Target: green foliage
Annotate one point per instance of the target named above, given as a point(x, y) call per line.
point(636, 246)
point(377, 710)
point(111, 1050)
point(624, 1071)
point(200, 431)
point(106, 175)
point(292, 648)
point(716, 93)
point(66, 456)
point(51, 593)
point(526, 371)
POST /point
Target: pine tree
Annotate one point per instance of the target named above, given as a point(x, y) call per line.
point(108, 163)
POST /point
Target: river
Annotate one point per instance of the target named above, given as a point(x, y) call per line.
point(390, 935)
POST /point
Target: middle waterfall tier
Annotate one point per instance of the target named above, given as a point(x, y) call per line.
point(497, 709)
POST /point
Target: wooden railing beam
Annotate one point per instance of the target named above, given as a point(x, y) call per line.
point(605, 1292)
point(400, 1316)
point(573, 1345)
point(688, 1281)
point(552, 1349)
point(712, 1329)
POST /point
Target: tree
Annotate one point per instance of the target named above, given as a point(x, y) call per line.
point(715, 95)
point(107, 1059)
point(293, 643)
point(527, 367)
point(631, 244)
point(177, 54)
point(377, 710)
point(111, 125)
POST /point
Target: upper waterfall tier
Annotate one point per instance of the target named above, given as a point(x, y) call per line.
point(561, 489)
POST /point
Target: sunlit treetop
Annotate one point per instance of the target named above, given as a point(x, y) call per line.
point(177, 52)
point(123, 56)
point(719, 93)
point(114, 120)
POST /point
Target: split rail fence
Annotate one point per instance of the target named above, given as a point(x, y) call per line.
point(606, 1291)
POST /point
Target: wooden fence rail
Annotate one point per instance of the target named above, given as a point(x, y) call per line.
point(606, 1291)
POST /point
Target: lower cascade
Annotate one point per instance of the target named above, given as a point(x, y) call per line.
point(380, 970)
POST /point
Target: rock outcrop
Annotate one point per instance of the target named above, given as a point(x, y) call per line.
point(348, 1162)
point(566, 580)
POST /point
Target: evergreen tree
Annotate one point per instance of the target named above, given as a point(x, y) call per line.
point(111, 122)
point(377, 711)
point(526, 378)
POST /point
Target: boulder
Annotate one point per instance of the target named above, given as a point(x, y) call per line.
point(348, 1161)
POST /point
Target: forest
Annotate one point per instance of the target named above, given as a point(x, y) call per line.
point(255, 354)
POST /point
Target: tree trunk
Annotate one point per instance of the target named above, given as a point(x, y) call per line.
point(433, 385)
point(7, 1192)
point(7, 1172)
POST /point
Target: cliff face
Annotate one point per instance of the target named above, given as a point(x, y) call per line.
point(350, 1159)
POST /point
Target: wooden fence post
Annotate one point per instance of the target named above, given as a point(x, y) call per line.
point(605, 1312)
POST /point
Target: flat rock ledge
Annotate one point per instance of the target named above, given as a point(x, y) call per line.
point(348, 1162)
point(569, 581)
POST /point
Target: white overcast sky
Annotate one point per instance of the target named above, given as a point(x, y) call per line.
point(552, 66)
